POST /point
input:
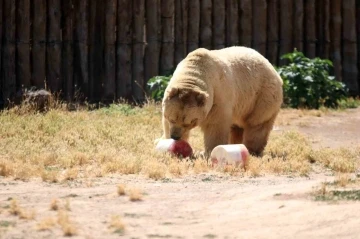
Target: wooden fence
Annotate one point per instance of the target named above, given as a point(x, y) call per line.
point(108, 49)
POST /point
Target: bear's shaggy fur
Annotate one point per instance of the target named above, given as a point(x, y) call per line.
point(233, 94)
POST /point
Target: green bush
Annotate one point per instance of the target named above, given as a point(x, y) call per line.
point(157, 85)
point(307, 82)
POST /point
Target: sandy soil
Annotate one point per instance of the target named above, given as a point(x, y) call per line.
point(201, 206)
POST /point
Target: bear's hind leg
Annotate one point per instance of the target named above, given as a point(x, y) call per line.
point(236, 135)
point(256, 137)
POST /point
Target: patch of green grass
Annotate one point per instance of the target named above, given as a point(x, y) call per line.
point(7, 224)
point(339, 195)
point(209, 236)
point(158, 236)
point(349, 103)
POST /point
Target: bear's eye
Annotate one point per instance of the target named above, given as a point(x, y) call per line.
point(186, 125)
point(194, 121)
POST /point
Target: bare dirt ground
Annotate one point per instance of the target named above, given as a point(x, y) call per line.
point(198, 206)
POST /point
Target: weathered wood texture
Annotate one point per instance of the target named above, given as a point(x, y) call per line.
point(123, 49)
point(167, 41)
point(108, 50)
point(350, 70)
point(138, 83)
point(23, 43)
point(219, 24)
point(193, 25)
point(53, 47)
point(259, 26)
point(272, 31)
point(67, 57)
point(286, 27)
point(205, 24)
point(9, 51)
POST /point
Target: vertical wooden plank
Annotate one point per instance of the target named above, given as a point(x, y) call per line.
point(358, 36)
point(38, 56)
point(219, 24)
point(180, 30)
point(167, 42)
point(286, 27)
point(232, 23)
point(23, 43)
point(259, 26)
point(310, 26)
point(194, 25)
point(272, 31)
point(67, 58)
point(96, 46)
point(327, 38)
point(335, 34)
point(298, 28)
point(123, 52)
point(9, 53)
point(53, 48)
point(109, 53)
point(246, 22)
point(1, 42)
point(205, 24)
point(81, 81)
point(138, 85)
point(350, 71)
point(152, 48)
point(319, 10)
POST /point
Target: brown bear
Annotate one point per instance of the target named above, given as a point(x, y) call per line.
point(233, 94)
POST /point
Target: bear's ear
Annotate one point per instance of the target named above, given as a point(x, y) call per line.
point(193, 98)
point(201, 98)
point(173, 92)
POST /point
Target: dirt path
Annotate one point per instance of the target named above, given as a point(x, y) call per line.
point(202, 206)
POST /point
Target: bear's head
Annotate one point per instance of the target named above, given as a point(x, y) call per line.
point(184, 109)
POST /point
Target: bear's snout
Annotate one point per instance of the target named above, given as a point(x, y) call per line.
point(175, 133)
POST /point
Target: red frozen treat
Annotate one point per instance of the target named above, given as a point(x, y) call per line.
point(181, 148)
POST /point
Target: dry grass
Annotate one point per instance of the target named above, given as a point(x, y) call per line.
point(60, 146)
point(23, 213)
point(135, 195)
point(67, 226)
point(117, 225)
point(54, 205)
point(121, 190)
point(46, 224)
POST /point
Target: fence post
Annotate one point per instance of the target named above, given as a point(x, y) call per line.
point(272, 31)
point(259, 26)
point(138, 50)
point(219, 24)
point(167, 41)
point(194, 24)
point(298, 28)
point(232, 23)
point(286, 28)
point(39, 43)
point(335, 23)
point(109, 51)
point(350, 71)
point(246, 22)
point(310, 34)
point(53, 49)
point(23, 43)
point(8, 59)
point(180, 29)
point(67, 59)
point(123, 49)
point(327, 38)
point(152, 48)
point(205, 24)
